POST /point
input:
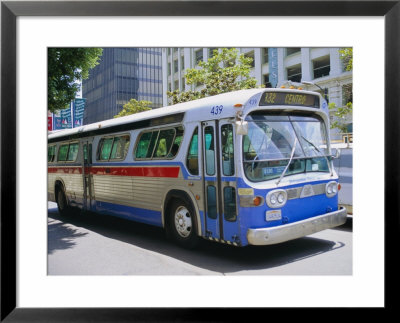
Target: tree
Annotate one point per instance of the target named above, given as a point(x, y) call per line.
point(66, 68)
point(346, 54)
point(225, 71)
point(134, 106)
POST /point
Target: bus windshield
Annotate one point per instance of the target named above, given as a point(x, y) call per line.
point(272, 140)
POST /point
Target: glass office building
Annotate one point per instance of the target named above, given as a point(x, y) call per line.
point(122, 74)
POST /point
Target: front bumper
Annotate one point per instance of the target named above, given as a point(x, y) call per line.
point(282, 233)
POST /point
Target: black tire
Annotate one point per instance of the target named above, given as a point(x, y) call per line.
point(182, 225)
point(62, 204)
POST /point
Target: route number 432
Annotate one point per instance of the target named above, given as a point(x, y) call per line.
point(216, 110)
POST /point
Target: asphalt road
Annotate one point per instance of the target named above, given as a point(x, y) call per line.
point(94, 244)
point(344, 167)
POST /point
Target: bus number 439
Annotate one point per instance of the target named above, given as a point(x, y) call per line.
point(216, 110)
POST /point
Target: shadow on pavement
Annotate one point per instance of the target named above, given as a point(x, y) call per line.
point(208, 255)
point(60, 236)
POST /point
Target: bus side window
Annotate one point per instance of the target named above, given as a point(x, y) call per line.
point(228, 164)
point(192, 159)
point(51, 153)
point(73, 151)
point(62, 153)
point(120, 147)
point(105, 148)
point(164, 143)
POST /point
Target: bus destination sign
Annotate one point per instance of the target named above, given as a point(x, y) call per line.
point(287, 98)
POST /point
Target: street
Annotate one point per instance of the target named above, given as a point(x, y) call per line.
point(344, 168)
point(93, 244)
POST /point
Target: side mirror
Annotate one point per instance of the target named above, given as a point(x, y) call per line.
point(241, 127)
point(336, 153)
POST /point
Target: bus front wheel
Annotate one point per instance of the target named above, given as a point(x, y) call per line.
point(182, 224)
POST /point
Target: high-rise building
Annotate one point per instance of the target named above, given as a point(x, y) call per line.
point(122, 74)
point(272, 67)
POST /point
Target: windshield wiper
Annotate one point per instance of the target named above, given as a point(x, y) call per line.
point(322, 155)
point(290, 160)
point(311, 144)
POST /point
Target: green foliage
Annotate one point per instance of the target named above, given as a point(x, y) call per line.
point(346, 54)
point(224, 72)
point(67, 67)
point(340, 113)
point(134, 106)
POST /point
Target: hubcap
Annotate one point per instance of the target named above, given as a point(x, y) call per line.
point(183, 221)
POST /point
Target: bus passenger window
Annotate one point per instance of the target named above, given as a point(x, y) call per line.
point(228, 165)
point(51, 153)
point(177, 142)
point(152, 143)
point(105, 148)
point(143, 144)
point(164, 143)
point(209, 148)
point(62, 153)
point(192, 159)
point(73, 151)
point(120, 147)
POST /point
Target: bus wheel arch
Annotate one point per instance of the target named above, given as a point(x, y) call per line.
point(181, 219)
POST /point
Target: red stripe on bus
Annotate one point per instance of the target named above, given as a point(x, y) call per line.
point(172, 172)
point(65, 170)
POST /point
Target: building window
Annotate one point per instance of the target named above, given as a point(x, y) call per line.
point(321, 67)
point(198, 54)
point(182, 62)
point(292, 50)
point(176, 85)
point(211, 52)
point(265, 58)
point(294, 73)
point(169, 69)
point(183, 84)
point(250, 55)
point(175, 66)
point(266, 82)
point(347, 93)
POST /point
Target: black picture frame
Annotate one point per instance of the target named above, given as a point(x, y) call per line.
point(10, 10)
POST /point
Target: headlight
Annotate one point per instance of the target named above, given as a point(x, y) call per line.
point(276, 198)
point(331, 189)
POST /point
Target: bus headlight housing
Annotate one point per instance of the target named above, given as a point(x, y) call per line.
point(276, 198)
point(331, 189)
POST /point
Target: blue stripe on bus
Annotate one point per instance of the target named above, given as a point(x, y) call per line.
point(130, 213)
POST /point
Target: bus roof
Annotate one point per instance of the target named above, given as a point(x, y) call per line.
point(227, 100)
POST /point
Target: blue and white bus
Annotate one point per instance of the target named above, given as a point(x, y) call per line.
point(251, 167)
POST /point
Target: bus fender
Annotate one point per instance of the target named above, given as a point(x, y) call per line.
point(182, 193)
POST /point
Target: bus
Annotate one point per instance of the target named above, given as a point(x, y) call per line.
point(249, 167)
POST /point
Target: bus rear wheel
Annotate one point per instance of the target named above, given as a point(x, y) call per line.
point(182, 224)
point(62, 203)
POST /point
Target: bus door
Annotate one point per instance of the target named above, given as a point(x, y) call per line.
point(230, 226)
point(211, 177)
point(87, 176)
point(219, 180)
